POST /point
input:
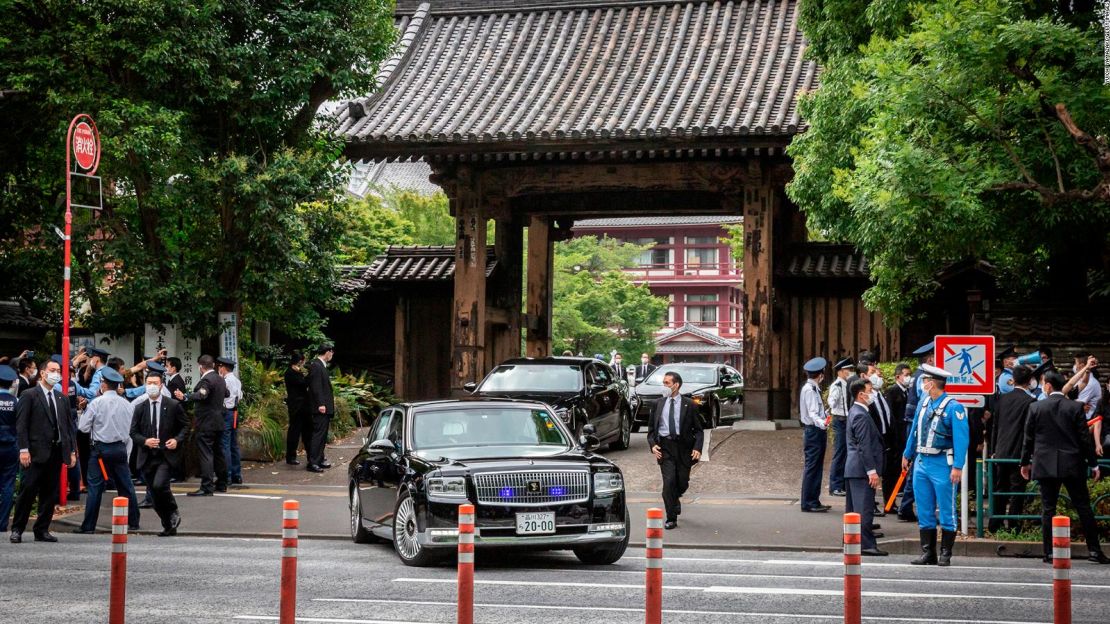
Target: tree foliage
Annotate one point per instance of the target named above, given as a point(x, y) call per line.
point(958, 129)
point(597, 307)
point(219, 175)
point(369, 228)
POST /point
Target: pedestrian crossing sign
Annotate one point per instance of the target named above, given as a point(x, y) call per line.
point(970, 360)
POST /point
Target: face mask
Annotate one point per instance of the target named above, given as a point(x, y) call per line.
point(869, 398)
point(1034, 385)
point(152, 390)
point(877, 382)
point(53, 378)
point(31, 374)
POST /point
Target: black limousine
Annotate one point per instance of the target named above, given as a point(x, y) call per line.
point(533, 485)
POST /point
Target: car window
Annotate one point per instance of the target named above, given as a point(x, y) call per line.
point(485, 426)
point(533, 378)
point(689, 374)
point(380, 430)
point(603, 375)
point(735, 374)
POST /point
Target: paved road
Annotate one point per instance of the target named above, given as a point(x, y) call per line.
point(207, 580)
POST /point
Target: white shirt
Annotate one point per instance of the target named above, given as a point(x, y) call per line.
point(812, 411)
point(664, 423)
point(234, 391)
point(838, 403)
point(1090, 396)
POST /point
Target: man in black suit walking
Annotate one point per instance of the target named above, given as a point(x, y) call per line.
point(1058, 446)
point(322, 404)
point(675, 438)
point(45, 437)
point(1010, 412)
point(864, 463)
point(645, 368)
point(209, 396)
point(159, 427)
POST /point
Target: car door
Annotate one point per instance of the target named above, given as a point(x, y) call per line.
point(381, 469)
point(607, 395)
point(731, 391)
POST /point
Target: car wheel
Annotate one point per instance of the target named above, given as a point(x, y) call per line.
point(359, 534)
point(404, 535)
point(624, 435)
point(608, 553)
point(716, 419)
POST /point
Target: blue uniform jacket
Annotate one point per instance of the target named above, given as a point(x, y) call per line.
point(913, 395)
point(952, 432)
point(7, 419)
point(93, 389)
point(865, 445)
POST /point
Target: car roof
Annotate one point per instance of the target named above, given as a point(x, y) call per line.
point(550, 361)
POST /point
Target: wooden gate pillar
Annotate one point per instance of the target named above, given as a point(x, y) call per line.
point(468, 331)
point(541, 254)
point(505, 285)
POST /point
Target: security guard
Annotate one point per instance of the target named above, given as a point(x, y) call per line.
point(938, 440)
point(107, 420)
point(1007, 357)
point(838, 407)
point(815, 422)
point(9, 447)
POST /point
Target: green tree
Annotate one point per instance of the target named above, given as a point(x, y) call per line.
point(959, 129)
point(219, 174)
point(429, 214)
point(597, 307)
point(369, 228)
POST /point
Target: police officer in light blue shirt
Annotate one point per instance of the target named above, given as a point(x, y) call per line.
point(9, 447)
point(108, 420)
point(937, 447)
point(814, 421)
point(98, 359)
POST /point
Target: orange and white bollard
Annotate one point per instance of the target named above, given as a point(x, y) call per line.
point(653, 608)
point(1061, 569)
point(852, 559)
point(290, 523)
point(117, 588)
point(465, 612)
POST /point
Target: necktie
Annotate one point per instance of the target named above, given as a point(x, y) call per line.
point(154, 418)
point(884, 417)
point(54, 415)
point(670, 418)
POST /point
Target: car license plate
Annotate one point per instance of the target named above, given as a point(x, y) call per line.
point(535, 523)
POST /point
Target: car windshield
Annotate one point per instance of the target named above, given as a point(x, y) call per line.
point(486, 426)
point(533, 378)
point(689, 374)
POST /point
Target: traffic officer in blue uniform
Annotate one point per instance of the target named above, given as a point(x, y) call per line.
point(938, 442)
point(9, 447)
point(98, 359)
point(1008, 357)
point(925, 355)
point(814, 421)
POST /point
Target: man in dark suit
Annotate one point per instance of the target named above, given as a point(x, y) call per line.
point(322, 404)
point(887, 425)
point(159, 428)
point(617, 366)
point(174, 381)
point(209, 396)
point(1058, 446)
point(863, 465)
point(896, 396)
point(675, 438)
point(645, 368)
point(28, 374)
point(1011, 410)
point(45, 437)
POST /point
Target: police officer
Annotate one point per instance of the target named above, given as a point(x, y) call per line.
point(209, 395)
point(98, 359)
point(107, 420)
point(838, 406)
point(225, 366)
point(914, 392)
point(815, 423)
point(9, 448)
point(1007, 358)
point(938, 441)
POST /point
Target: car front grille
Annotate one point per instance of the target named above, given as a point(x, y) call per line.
point(533, 488)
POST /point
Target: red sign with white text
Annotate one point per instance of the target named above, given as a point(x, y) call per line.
point(969, 360)
point(85, 146)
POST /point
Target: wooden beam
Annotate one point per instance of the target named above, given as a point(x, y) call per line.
point(468, 332)
point(400, 349)
point(541, 255)
point(758, 206)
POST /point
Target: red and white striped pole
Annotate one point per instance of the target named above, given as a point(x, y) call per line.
point(290, 522)
point(852, 559)
point(117, 588)
point(1061, 569)
point(653, 609)
point(465, 612)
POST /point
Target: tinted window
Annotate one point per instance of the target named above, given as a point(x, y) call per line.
point(533, 377)
point(485, 426)
point(689, 374)
point(380, 430)
point(604, 376)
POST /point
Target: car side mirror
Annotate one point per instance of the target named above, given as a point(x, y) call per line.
point(589, 429)
point(589, 442)
point(470, 386)
point(383, 447)
point(596, 387)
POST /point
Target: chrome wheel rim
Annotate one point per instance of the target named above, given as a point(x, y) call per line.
point(626, 429)
point(404, 530)
point(355, 512)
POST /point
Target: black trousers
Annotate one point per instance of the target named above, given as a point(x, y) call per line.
point(675, 468)
point(1080, 499)
point(212, 460)
point(300, 432)
point(1007, 478)
point(861, 499)
point(892, 469)
point(320, 424)
point(157, 473)
point(83, 452)
point(40, 480)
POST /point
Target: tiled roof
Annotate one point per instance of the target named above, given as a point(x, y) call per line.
point(14, 313)
point(401, 264)
point(377, 176)
point(708, 342)
point(648, 221)
point(677, 348)
point(824, 260)
point(563, 72)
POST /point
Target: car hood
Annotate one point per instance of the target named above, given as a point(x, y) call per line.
point(658, 391)
point(487, 459)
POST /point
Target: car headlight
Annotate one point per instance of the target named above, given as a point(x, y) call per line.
point(563, 414)
point(447, 487)
point(608, 482)
point(698, 399)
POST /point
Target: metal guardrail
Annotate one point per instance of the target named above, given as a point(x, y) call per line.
point(984, 480)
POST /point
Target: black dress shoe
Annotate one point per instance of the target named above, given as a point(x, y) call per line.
point(81, 531)
point(824, 507)
point(199, 493)
point(878, 534)
point(1046, 559)
point(838, 493)
point(879, 513)
point(237, 481)
point(873, 552)
point(45, 537)
point(814, 509)
point(325, 464)
point(1097, 556)
point(293, 462)
point(175, 521)
point(670, 524)
point(876, 527)
point(16, 537)
point(314, 468)
point(910, 517)
point(170, 532)
point(146, 505)
point(221, 488)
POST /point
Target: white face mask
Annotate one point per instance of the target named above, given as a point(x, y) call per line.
point(1034, 385)
point(31, 374)
point(153, 390)
point(876, 382)
point(53, 378)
